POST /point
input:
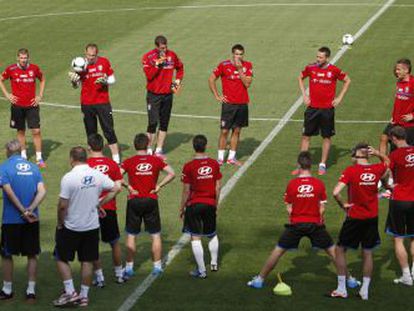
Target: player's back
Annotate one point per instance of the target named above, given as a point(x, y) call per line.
point(402, 168)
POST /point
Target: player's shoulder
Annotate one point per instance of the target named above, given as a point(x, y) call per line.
point(312, 66)
point(247, 63)
point(34, 66)
point(150, 54)
point(333, 68)
point(103, 60)
point(226, 62)
point(11, 67)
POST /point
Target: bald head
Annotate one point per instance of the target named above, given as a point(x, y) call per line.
point(13, 147)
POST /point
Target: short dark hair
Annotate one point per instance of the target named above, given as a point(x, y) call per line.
point(78, 154)
point(199, 143)
point(91, 45)
point(398, 132)
point(362, 147)
point(96, 142)
point(305, 160)
point(238, 47)
point(141, 141)
point(406, 62)
point(325, 50)
point(23, 51)
point(160, 40)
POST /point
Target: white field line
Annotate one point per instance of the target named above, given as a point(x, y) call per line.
point(199, 7)
point(228, 187)
point(215, 118)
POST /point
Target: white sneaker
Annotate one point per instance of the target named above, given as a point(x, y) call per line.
point(408, 281)
point(363, 295)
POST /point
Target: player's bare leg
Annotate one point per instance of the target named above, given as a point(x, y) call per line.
point(115, 152)
point(31, 268)
point(151, 137)
point(383, 146)
point(367, 267)
point(86, 281)
point(21, 137)
point(341, 271)
point(161, 136)
point(326, 146)
point(69, 295)
point(234, 142)
point(412, 256)
point(7, 265)
point(156, 253)
point(37, 142)
point(131, 250)
point(402, 257)
point(272, 261)
point(224, 133)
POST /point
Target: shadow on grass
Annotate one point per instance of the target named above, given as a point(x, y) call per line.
point(175, 140)
point(48, 146)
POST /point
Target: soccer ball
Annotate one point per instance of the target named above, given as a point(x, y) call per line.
point(79, 64)
point(348, 39)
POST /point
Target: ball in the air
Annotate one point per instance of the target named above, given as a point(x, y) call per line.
point(79, 64)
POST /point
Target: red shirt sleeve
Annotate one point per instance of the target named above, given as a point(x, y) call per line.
point(345, 178)
point(288, 197)
point(124, 165)
point(108, 70)
point(179, 66)
point(6, 74)
point(218, 71)
point(306, 72)
point(323, 196)
point(392, 161)
point(150, 70)
point(39, 73)
point(185, 176)
point(218, 173)
point(249, 70)
point(340, 75)
point(115, 173)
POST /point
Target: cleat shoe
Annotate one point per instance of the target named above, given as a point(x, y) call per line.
point(338, 294)
point(363, 296)
point(120, 279)
point(98, 284)
point(41, 164)
point(128, 273)
point(256, 282)
point(161, 155)
point(197, 274)
point(234, 162)
point(295, 172)
point(213, 268)
point(220, 162)
point(65, 300)
point(404, 281)
point(82, 302)
point(386, 194)
point(352, 282)
point(30, 297)
point(322, 169)
point(4, 296)
point(157, 271)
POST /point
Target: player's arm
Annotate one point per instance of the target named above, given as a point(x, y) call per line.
point(40, 195)
point(179, 67)
point(213, 88)
point(289, 208)
point(338, 198)
point(106, 80)
point(246, 80)
point(322, 208)
point(9, 96)
point(218, 190)
point(383, 157)
point(62, 209)
point(302, 88)
point(345, 87)
point(184, 198)
point(13, 198)
point(36, 101)
point(166, 180)
point(112, 193)
point(152, 69)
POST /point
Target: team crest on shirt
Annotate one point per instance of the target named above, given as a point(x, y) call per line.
point(305, 191)
point(102, 168)
point(205, 172)
point(407, 89)
point(31, 73)
point(367, 179)
point(143, 169)
point(329, 74)
point(100, 67)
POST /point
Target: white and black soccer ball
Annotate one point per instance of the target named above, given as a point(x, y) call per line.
point(79, 64)
point(348, 39)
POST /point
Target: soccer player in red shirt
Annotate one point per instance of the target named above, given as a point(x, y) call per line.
point(95, 102)
point(400, 221)
point(201, 179)
point(403, 110)
point(143, 170)
point(24, 101)
point(159, 66)
point(236, 77)
point(361, 224)
point(305, 200)
point(321, 102)
point(108, 220)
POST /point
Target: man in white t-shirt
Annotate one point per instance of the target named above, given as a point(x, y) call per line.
point(77, 231)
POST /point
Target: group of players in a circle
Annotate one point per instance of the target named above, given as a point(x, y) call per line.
point(87, 196)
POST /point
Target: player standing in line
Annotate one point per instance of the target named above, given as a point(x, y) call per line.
point(201, 179)
point(108, 223)
point(24, 101)
point(23, 191)
point(361, 224)
point(236, 77)
point(400, 221)
point(305, 200)
point(321, 102)
point(159, 65)
point(403, 110)
point(143, 171)
point(95, 102)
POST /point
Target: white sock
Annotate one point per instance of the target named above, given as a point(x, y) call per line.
point(365, 284)
point(149, 151)
point(99, 275)
point(158, 264)
point(23, 154)
point(406, 273)
point(213, 247)
point(198, 252)
point(31, 287)
point(118, 271)
point(342, 284)
point(38, 156)
point(69, 288)
point(232, 155)
point(158, 150)
point(412, 268)
point(7, 287)
point(84, 291)
point(116, 158)
point(221, 155)
point(129, 265)
point(322, 164)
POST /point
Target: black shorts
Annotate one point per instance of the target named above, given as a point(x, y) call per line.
point(317, 234)
point(159, 108)
point(21, 115)
point(234, 116)
point(200, 220)
point(359, 231)
point(400, 220)
point(109, 227)
point(103, 113)
point(142, 209)
point(408, 130)
point(20, 239)
point(319, 121)
point(69, 242)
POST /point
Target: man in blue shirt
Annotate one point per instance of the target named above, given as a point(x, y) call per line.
point(23, 191)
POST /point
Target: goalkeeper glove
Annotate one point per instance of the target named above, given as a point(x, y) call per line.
point(102, 81)
point(74, 77)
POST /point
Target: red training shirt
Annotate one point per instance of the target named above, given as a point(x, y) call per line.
point(362, 181)
point(159, 78)
point(23, 82)
point(110, 168)
point(201, 174)
point(233, 87)
point(404, 102)
point(92, 93)
point(322, 84)
point(143, 172)
point(305, 194)
point(402, 168)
